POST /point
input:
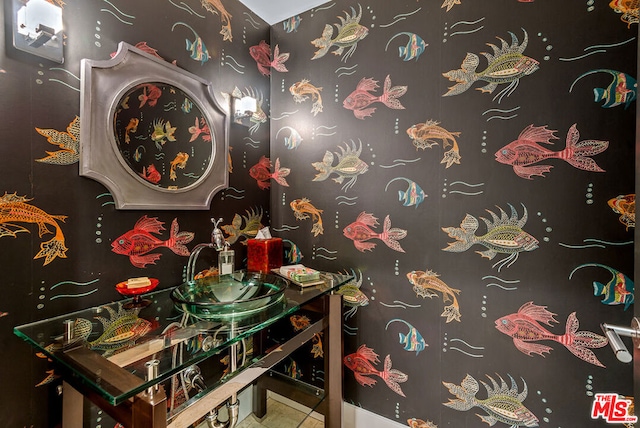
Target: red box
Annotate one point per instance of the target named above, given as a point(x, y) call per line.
point(264, 254)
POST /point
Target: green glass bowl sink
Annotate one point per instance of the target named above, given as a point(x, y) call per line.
point(231, 297)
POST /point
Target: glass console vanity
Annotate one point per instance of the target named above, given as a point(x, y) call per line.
point(160, 365)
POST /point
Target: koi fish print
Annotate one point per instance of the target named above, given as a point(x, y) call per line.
point(623, 89)
point(67, 142)
point(361, 231)
point(504, 236)
point(350, 32)
point(625, 205)
point(180, 161)
point(304, 209)
point(507, 65)
point(628, 9)
point(362, 363)
point(522, 153)
point(261, 172)
point(139, 241)
point(503, 403)
point(618, 291)
point(349, 166)
point(449, 4)
point(15, 209)
point(424, 136)
point(217, 8)
point(419, 423)
point(132, 126)
point(261, 53)
point(252, 223)
point(302, 90)
point(428, 284)
point(360, 99)
point(525, 328)
point(413, 340)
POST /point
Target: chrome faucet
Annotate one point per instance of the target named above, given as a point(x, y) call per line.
point(217, 242)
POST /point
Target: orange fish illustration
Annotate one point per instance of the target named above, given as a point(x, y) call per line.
point(15, 209)
point(262, 173)
point(426, 284)
point(180, 161)
point(140, 240)
point(132, 126)
point(302, 208)
point(150, 97)
point(302, 90)
point(68, 142)
point(625, 205)
point(629, 10)
point(151, 174)
point(425, 134)
point(216, 8)
point(361, 363)
point(361, 98)
point(299, 322)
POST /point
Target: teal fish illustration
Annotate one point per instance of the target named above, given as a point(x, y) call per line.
point(292, 24)
point(293, 140)
point(504, 235)
point(507, 65)
point(187, 105)
point(414, 195)
point(414, 48)
point(293, 255)
point(350, 32)
point(197, 50)
point(349, 166)
point(503, 403)
point(623, 89)
point(413, 340)
point(618, 291)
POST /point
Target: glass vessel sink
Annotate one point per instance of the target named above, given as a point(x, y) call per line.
point(232, 297)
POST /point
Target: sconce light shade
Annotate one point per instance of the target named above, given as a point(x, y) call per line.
point(243, 109)
point(37, 28)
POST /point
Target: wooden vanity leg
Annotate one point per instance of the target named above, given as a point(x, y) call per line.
point(72, 402)
point(333, 363)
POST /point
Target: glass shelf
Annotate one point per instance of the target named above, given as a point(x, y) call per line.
point(105, 348)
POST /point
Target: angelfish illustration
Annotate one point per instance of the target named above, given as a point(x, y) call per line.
point(413, 340)
point(414, 195)
point(623, 89)
point(198, 51)
point(619, 289)
point(414, 48)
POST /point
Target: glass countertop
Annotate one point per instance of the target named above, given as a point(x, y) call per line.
point(109, 348)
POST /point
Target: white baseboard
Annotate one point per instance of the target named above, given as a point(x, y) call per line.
point(357, 417)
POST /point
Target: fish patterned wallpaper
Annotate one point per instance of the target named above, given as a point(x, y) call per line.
point(62, 243)
point(472, 163)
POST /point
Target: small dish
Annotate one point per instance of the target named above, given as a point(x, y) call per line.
point(137, 302)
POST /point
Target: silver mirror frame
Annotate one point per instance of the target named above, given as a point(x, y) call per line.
point(103, 83)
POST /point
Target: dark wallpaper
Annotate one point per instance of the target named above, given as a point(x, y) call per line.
point(472, 163)
point(463, 159)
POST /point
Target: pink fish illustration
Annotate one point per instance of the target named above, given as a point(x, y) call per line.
point(140, 240)
point(524, 327)
point(261, 172)
point(151, 97)
point(361, 363)
point(361, 98)
point(525, 151)
point(360, 231)
point(261, 53)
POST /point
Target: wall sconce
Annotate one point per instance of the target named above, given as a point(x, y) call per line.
point(613, 333)
point(37, 28)
point(243, 109)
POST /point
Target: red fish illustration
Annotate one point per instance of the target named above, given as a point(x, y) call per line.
point(525, 151)
point(262, 173)
point(524, 327)
point(361, 363)
point(151, 97)
point(360, 231)
point(362, 97)
point(261, 53)
point(137, 242)
point(151, 174)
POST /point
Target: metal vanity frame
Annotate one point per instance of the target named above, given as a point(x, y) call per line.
point(118, 383)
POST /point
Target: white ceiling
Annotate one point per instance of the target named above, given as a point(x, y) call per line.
point(274, 11)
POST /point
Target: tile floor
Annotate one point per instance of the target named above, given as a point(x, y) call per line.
point(279, 415)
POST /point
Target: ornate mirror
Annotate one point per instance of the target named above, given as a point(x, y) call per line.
point(152, 133)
